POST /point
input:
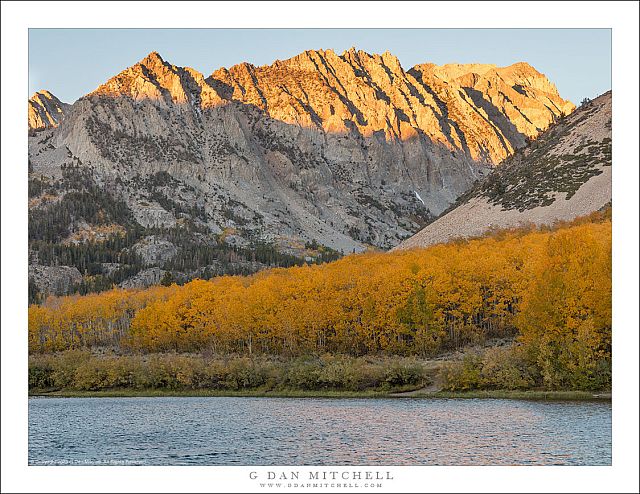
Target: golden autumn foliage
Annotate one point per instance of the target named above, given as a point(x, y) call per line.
point(89, 321)
point(552, 288)
point(565, 321)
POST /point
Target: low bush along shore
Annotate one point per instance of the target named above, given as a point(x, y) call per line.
point(81, 373)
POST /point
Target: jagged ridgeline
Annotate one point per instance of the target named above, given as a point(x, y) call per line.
point(162, 174)
point(563, 174)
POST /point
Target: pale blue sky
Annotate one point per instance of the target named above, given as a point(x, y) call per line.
point(73, 62)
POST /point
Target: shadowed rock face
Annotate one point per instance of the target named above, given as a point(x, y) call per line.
point(563, 174)
point(54, 279)
point(483, 110)
point(349, 150)
point(45, 111)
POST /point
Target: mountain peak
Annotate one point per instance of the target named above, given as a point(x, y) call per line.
point(45, 110)
point(155, 79)
point(152, 59)
point(44, 93)
point(354, 53)
point(522, 74)
point(524, 66)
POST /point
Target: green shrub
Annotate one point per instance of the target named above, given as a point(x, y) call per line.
point(464, 375)
point(403, 373)
point(121, 372)
point(507, 368)
point(244, 373)
point(65, 366)
point(155, 374)
point(40, 375)
point(303, 374)
point(92, 375)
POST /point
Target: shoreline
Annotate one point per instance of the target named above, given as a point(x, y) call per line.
point(292, 393)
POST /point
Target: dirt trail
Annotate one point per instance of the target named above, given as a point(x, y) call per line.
point(433, 372)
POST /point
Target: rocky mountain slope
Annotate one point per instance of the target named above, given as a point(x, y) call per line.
point(563, 174)
point(45, 111)
point(341, 152)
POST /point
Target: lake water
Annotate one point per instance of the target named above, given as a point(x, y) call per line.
point(309, 431)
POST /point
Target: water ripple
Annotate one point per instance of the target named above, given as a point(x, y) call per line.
point(277, 431)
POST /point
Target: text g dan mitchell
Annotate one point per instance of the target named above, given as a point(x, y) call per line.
point(320, 475)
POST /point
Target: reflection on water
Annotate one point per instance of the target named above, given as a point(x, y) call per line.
point(284, 431)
